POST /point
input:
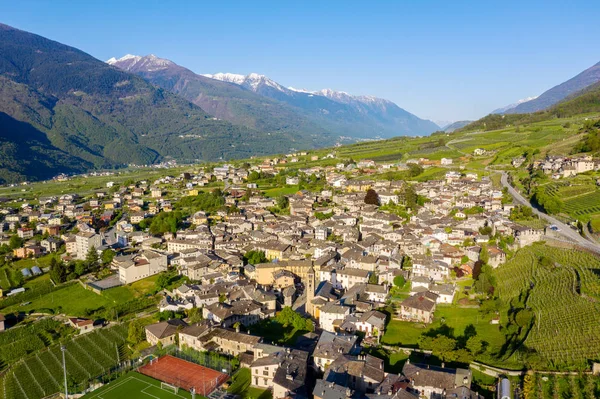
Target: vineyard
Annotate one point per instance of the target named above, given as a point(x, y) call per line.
point(561, 386)
point(87, 357)
point(562, 296)
point(579, 195)
point(17, 343)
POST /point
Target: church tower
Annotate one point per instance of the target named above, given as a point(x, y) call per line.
point(309, 287)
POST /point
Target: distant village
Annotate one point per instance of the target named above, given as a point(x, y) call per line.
point(333, 257)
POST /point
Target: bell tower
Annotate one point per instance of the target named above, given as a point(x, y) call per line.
point(309, 286)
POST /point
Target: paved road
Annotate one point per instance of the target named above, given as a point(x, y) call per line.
point(565, 230)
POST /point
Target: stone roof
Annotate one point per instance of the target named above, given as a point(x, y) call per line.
point(165, 328)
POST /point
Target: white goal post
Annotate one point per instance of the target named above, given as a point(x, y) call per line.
point(169, 387)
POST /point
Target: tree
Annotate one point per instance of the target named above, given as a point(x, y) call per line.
point(399, 281)
point(163, 281)
point(474, 345)
point(91, 259)
point(414, 169)
point(282, 202)
point(15, 242)
point(17, 278)
point(194, 315)
point(484, 255)
point(80, 268)
point(58, 272)
point(107, 256)
point(136, 332)
point(255, 257)
point(373, 279)
point(410, 196)
point(371, 198)
point(406, 262)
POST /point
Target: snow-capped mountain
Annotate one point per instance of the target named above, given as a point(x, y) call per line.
point(511, 106)
point(252, 81)
point(384, 114)
point(131, 63)
point(259, 102)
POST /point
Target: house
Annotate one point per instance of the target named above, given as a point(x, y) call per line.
point(51, 244)
point(84, 241)
point(226, 341)
point(83, 325)
point(140, 265)
point(361, 374)
point(164, 332)
point(246, 312)
point(437, 382)
point(372, 323)
point(419, 307)
point(332, 315)
point(284, 370)
point(330, 346)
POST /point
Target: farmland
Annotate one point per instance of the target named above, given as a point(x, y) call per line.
point(561, 294)
point(579, 196)
point(87, 357)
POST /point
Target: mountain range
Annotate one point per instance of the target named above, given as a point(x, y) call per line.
point(554, 95)
point(260, 102)
point(63, 110)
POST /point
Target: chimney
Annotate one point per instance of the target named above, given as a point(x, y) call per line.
point(443, 365)
point(237, 329)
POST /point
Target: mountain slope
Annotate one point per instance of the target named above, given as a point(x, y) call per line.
point(513, 105)
point(220, 99)
point(560, 92)
point(455, 126)
point(582, 102)
point(356, 116)
point(100, 116)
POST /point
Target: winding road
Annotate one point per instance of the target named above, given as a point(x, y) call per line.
point(565, 230)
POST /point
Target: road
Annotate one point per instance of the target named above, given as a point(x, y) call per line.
point(565, 230)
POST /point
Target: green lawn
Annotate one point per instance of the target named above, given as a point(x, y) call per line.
point(240, 385)
point(126, 293)
point(74, 300)
point(404, 333)
point(136, 386)
point(276, 333)
point(277, 191)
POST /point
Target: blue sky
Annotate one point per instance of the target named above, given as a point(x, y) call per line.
point(443, 60)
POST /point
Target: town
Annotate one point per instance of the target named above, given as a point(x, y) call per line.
point(338, 259)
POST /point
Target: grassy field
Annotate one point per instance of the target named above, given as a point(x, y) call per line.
point(277, 191)
point(73, 300)
point(136, 386)
point(240, 385)
point(407, 334)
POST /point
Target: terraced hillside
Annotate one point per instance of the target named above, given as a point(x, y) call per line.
point(560, 290)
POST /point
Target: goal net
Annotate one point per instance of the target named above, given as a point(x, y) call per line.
point(169, 387)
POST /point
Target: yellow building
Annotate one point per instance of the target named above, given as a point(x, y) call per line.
point(265, 271)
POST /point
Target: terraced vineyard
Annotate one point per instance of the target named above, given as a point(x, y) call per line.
point(565, 299)
point(580, 196)
point(87, 356)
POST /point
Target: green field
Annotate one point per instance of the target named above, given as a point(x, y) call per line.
point(136, 386)
point(404, 333)
point(73, 300)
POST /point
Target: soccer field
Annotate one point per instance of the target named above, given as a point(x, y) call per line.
point(136, 386)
